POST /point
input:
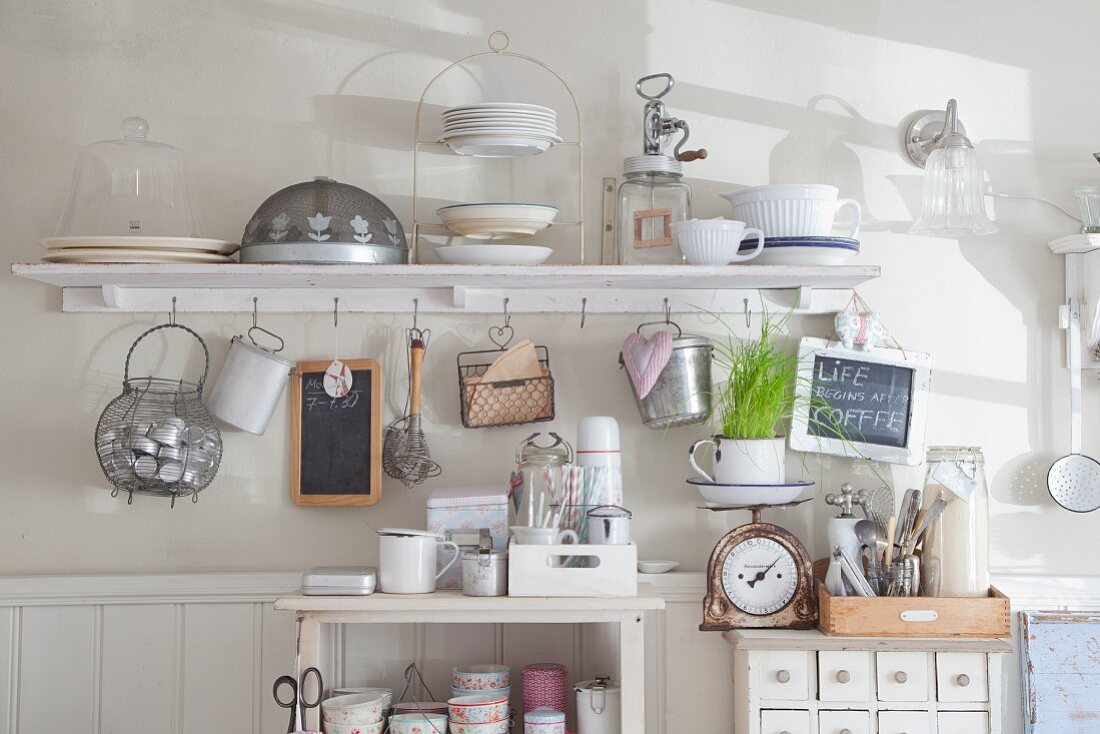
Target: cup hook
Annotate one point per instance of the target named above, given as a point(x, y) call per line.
point(172, 316)
point(668, 313)
point(335, 312)
point(584, 310)
point(748, 313)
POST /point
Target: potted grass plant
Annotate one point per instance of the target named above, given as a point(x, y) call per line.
point(751, 407)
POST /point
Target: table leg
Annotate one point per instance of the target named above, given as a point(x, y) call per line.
point(632, 672)
point(309, 655)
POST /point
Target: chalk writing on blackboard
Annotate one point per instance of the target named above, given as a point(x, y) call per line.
point(863, 401)
point(337, 441)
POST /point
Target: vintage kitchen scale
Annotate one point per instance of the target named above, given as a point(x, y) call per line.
point(759, 576)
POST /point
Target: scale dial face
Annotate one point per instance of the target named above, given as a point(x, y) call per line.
point(760, 576)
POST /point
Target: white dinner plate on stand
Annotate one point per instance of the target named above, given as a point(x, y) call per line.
point(494, 254)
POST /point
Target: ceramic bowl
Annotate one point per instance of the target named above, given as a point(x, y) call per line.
point(481, 709)
point(477, 678)
point(497, 221)
point(791, 210)
point(418, 724)
point(385, 693)
point(357, 708)
point(456, 692)
point(376, 728)
point(492, 727)
point(657, 566)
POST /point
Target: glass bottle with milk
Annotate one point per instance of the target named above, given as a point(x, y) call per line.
point(955, 560)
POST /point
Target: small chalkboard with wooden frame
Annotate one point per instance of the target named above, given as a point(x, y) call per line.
point(861, 404)
point(336, 443)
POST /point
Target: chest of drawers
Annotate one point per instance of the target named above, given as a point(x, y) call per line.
point(805, 682)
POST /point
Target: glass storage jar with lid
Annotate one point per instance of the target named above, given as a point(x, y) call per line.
point(129, 187)
point(652, 197)
point(955, 557)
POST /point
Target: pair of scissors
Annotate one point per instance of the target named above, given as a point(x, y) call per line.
point(297, 702)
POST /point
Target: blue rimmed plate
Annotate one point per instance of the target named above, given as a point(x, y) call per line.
point(803, 250)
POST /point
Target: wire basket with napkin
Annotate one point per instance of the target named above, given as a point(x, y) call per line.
point(506, 386)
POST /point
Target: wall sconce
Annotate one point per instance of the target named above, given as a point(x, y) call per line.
point(953, 203)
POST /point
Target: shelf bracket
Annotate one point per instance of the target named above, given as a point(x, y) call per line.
point(112, 296)
point(805, 298)
point(459, 297)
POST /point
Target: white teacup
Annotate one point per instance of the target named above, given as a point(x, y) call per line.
point(792, 210)
point(715, 241)
point(406, 563)
point(742, 461)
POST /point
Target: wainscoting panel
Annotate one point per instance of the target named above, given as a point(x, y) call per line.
point(198, 653)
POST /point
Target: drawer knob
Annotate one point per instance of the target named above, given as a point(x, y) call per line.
point(901, 676)
point(962, 679)
point(843, 676)
point(783, 676)
point(784, 732)
point(845, 731)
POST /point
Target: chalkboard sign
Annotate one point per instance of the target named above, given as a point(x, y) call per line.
point(869, 404)
point(337, 442)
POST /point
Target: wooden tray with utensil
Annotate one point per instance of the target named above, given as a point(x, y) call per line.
point(912, 616)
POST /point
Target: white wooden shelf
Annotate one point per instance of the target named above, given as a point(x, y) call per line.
point(90, 288)
point(314, 612)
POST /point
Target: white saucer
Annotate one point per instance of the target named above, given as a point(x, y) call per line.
point(494, 254)
point(733, 495)
point(657, 566)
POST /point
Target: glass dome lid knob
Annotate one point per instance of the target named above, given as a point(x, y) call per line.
point(135, 128)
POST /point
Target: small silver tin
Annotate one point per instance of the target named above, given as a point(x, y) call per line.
point(170, 471)
point(169, 452)
point(144, 445)
point(193, 434)
point(166, 435)
point(173, 422)
point(340, 581)
point(146, 467)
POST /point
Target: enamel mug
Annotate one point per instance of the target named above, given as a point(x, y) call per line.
point(609, 525)
point(406, 560)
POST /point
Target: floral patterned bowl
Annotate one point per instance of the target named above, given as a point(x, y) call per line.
point(480, 709)
point(493, 727)
point(418, 724)
point(376, 728)
point(456, 692)
point(481, 677)
point(357, 708)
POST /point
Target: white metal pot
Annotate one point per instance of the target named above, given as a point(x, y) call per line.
point(249, 386)
point(743, 461)
point(599, 706)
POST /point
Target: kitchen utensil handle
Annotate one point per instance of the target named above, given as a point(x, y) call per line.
point(691, 457)
point(891, 526)
point(416, 365)
point(454, 558)
point(686, 156)
point(1073, 334)
point(857, 217)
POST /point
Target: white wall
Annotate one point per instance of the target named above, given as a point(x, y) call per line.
point(264, 93)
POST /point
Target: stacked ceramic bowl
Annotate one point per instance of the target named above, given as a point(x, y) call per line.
point(359, 713)
point(485, 713)
point(499, 129)
point(797, 221)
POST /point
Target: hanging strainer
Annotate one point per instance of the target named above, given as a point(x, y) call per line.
point(157, 438)
point(1074, 480)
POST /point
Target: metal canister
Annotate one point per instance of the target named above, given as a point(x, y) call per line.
point(484, 570)
point(599, 706)
point(609, 525)
point(249, 386)
point(681, 395)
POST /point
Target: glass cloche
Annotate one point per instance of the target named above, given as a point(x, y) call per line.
point(130, 187)
point(324, 221)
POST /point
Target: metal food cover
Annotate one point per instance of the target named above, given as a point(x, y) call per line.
point(324, 221)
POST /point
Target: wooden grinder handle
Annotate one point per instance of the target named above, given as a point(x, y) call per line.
point(692, 155)
point(416, 365)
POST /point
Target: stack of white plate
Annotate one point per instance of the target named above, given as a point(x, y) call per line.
point(137, 249)
point(500, 129)
point(496, 221)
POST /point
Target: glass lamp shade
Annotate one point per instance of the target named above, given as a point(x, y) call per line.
point(130, 187)
point(953, 204)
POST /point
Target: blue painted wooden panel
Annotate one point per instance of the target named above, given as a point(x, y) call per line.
point(1061, 671)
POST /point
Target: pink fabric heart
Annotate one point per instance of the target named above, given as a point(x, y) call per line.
point(645, 359)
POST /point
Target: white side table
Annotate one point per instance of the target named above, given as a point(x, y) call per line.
point(453, 607)
point(806, 682)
